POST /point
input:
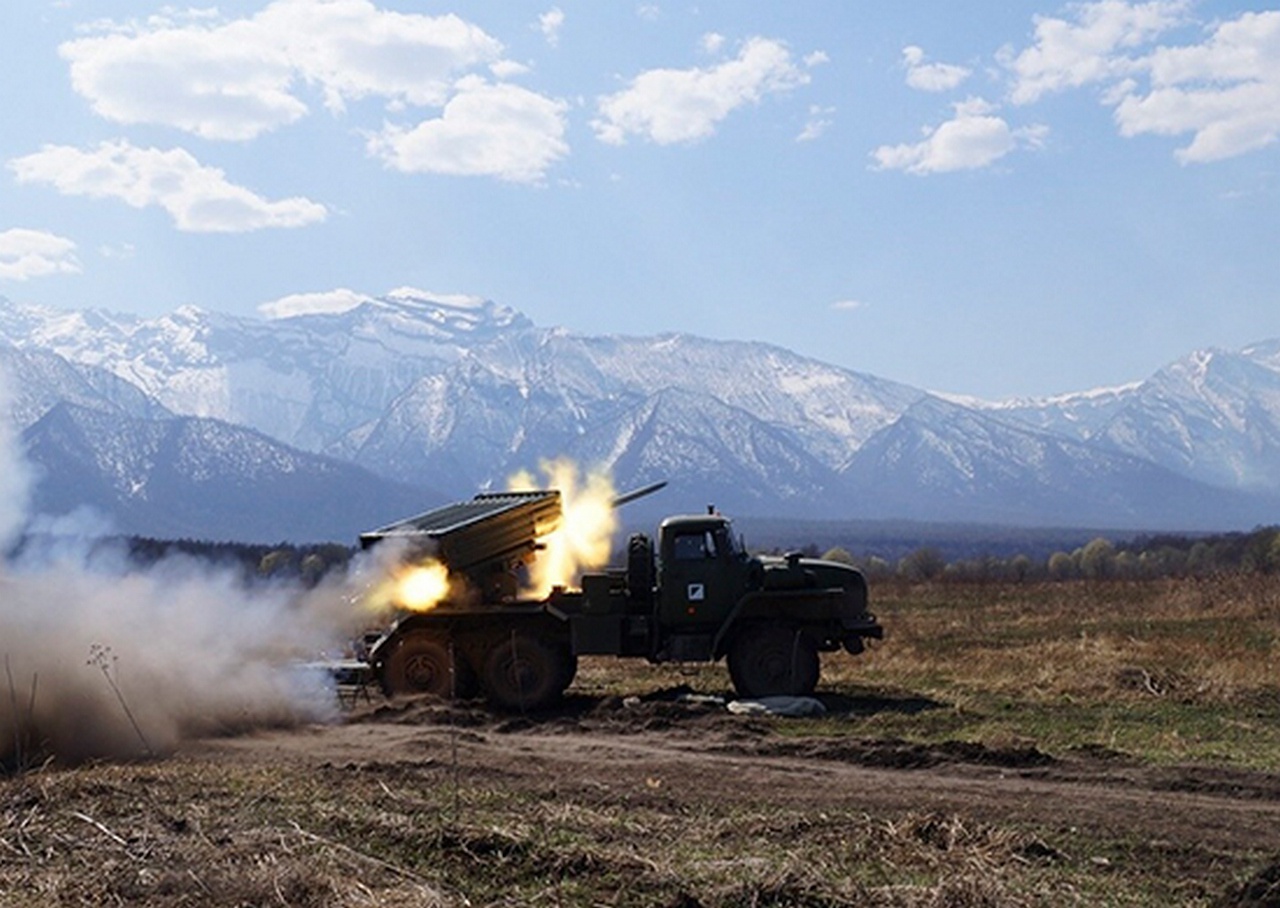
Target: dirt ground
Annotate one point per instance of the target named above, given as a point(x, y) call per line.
point(659, 800)
point(1191, 823)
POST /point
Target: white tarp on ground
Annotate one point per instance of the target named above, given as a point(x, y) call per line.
point(777, 706)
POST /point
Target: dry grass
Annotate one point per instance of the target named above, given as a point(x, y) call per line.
point(1165, 671)
point(1085, 639)
point(183, 834)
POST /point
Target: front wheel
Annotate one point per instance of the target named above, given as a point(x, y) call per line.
point(768, 660)
point(526, 672)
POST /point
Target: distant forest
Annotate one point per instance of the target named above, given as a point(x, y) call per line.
point(1100, 558)
point(306, 564)
point(928, 554)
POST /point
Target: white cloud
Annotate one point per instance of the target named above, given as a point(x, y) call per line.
point(25, 254)
point(237, 79)
point(847, 305)
point(668, 106)
point(818, 123)
point(931, 76)
point(508, 69)
point(1226, 91)
point(499, 130)
point(712, 42)
point(972, 139)
point(199, 198)
point(331, 301)
point(650, 12)
point(122, 251)
point(550, 23)
point(1070, 54)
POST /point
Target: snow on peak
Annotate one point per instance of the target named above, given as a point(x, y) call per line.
point(452, 300)
point(189, 312)
point(457, 312)
point(439, 313)
point(1100, 394)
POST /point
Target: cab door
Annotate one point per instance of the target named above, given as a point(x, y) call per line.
point(699, 578)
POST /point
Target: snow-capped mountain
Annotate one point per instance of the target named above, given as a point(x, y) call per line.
point(38, 381)
point(306, 380)
point(1212, 415)
point(1080, 416)
point(540, 394)
point(185, 477)
point(456, 394)
point(944, 462)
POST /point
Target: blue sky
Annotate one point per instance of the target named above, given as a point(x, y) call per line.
point(997, 199)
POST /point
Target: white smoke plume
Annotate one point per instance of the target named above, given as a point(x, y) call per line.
point(103, 659)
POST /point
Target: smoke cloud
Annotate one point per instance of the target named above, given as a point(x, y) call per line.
point(103, 659)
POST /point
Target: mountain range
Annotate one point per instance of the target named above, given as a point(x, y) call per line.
point(322, 424)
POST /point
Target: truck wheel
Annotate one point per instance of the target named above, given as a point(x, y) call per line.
point(768, 660)
point(425, 664)
point(526, 672)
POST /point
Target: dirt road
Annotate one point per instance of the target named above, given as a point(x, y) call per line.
point(692, 755)
point(647, 802)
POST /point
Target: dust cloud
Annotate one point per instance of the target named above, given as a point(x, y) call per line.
point(102, 659)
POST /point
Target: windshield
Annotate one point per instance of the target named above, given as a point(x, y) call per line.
point(726, 541)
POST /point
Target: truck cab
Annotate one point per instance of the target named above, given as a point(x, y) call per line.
point(702, 572)
point(714, 599)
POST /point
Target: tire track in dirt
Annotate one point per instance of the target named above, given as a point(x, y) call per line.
point(708, 758)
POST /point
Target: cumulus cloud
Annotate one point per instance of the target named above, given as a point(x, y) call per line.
point(973, 138)
point(1225, 91)
point(486, 129)
point(820, 120)
point(669, 106)
point(25, 254)
point(235, 79)
point(931, 76)
point(323, 303)
point(1093, 47)
point(200, 199)
point(550, 23)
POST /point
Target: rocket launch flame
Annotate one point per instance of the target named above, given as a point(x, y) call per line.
point(588, 522)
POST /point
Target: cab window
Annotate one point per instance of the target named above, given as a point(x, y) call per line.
point(694, 547)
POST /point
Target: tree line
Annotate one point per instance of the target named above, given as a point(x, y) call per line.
point(1144, 557)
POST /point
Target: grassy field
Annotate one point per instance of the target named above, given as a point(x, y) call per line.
point(1158, 673)
point(1164, 670)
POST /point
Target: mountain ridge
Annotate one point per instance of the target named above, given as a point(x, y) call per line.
point(458, 393)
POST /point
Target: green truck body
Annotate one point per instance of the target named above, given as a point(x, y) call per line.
point(695, 596)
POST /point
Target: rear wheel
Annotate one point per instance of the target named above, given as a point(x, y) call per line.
point(424, 663)
point(767, 660)
point(524, 671)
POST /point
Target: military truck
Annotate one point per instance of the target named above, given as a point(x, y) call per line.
point(695, 596)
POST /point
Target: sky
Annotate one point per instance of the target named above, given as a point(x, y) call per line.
point(992, 199)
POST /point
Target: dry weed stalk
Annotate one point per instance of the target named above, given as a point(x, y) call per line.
point(22, 727)
point(104, 659)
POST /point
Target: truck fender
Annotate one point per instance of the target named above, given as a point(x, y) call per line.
point(792, 606)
